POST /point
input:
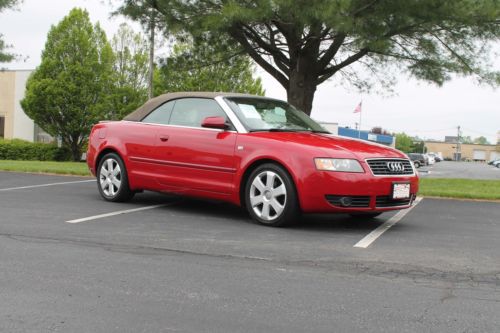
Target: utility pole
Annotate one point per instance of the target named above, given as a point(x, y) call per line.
point(359, 130)
point(458, 152)
point(152, 27)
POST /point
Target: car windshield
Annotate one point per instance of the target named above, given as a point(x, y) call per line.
point(260, 114)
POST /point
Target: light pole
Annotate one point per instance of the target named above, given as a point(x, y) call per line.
point(458, 152)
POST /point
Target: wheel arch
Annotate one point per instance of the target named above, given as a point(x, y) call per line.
point(103, 153)
point(255, 164)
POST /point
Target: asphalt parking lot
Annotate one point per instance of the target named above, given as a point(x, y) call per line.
point(467, 170)
point(71, 262)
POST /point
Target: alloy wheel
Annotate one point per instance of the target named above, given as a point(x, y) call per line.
point(268, 195)
point(110, 177)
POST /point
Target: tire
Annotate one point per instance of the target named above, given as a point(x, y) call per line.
point(365, 215)
point(112, 179)
point(416, 164)
point(271, 196)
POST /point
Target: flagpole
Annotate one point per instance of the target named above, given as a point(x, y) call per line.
point(360, 112)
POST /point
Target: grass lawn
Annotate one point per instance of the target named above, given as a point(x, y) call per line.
point(460, 188)
point(63, 168)
point(436, 187)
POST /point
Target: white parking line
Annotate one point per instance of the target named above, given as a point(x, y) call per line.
point(45, 185)
point(126, 211)
point(372, 236)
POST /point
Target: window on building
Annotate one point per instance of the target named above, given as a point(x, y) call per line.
point(41, 136)
point(2, 127)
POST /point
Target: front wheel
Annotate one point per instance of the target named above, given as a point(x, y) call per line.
point(417, 164)
point(112, 179)
point(270, 196)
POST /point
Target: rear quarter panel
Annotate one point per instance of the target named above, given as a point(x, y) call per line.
point(111, 136)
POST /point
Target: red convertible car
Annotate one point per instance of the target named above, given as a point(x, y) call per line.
point(256, 152)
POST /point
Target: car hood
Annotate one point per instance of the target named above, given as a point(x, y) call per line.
point(333, 145)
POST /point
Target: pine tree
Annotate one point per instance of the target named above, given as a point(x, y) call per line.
point(304, 43)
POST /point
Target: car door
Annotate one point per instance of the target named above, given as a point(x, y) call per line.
point(193, 157)
point(142, 145)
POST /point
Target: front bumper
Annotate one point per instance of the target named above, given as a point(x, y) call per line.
point(322, 192)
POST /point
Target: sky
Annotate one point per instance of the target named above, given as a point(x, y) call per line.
point(416, 108)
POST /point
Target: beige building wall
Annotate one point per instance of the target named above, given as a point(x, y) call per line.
point(24, 127)
point(448, 149)
point(12, 89)
point(7, 101)
point(331, 127)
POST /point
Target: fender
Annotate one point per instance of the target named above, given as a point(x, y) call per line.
point(255, 151)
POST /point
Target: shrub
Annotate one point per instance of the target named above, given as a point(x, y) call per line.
point(23, 150)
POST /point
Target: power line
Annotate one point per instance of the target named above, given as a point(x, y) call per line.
point(414, 131)
point(478, 132)
point(434, 130)
point(447, 129)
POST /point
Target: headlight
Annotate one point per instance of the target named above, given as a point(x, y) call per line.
point(338, 164)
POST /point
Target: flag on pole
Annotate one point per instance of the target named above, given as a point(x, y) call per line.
point(358, 108)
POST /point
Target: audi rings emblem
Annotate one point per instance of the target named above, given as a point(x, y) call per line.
point(395, 166)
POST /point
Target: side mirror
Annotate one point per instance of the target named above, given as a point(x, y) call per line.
point(214, 122)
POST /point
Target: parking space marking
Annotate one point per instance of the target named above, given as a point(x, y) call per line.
point(372, 236)
point(45, 185)
point(120, 212)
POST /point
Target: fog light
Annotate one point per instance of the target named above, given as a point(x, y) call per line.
point(346, 201)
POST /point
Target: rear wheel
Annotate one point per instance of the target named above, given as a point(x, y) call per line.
point(365, 215)
point(417, 164)
point(112, 179)
point(270, 196)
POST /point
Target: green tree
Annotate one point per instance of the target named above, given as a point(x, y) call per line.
point(204, 66)
point(418, 146)
point(5, 56)
point(131, 69)
point(68, 92)
point(404, 142)
point(481, 141)
point(146, 13)
point(304, 43)
point(466, 139)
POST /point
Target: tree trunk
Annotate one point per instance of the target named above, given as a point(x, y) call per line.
point(76, 151)
point(302, 86)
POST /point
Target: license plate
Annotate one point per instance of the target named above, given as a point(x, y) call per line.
point(400, 191)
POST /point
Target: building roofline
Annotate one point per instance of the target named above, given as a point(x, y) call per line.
point(454, 143)
point(325, 122)
point(16, 70)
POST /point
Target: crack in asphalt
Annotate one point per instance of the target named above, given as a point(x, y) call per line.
point(388, 270)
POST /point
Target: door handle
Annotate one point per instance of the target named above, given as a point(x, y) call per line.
point(164, 138)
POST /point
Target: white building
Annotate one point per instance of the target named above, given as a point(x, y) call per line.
point(14, 123)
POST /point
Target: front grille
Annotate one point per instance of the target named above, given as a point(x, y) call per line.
point(381, 167)
point(355, 201)
point(388, 201)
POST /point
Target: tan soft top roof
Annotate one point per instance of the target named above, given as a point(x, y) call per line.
point(153, 103)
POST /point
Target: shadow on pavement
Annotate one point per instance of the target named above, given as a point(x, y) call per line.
point(222, 211)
